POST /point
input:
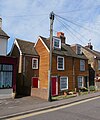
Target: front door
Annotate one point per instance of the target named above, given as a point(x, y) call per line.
point(54, 86)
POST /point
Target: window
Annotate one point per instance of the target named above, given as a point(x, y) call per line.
point(34, 63)
point(64, 83)
point(82, 65)
point(56, 42)
point(79, 50)
point(6, 72)
point(98, 64)
point(0, 67)
point(60, 63)
point(80, 82)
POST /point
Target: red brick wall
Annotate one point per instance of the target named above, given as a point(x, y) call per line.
point(39, 92)
point(12, 61)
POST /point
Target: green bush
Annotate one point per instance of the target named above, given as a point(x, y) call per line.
point(92, 88)
point(83, 89)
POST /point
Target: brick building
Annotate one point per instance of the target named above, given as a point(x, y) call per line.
point(69, 70)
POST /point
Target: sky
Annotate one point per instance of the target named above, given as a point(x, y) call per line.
point(28, 19)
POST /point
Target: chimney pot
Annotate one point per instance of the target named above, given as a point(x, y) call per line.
point(61, 36)
point(89, 46)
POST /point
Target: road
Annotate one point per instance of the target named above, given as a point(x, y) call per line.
point(85, 110)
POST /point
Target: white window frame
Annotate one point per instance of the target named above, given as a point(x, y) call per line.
point(6, 76)
point(79, 50)
point(57, 63)
point(33, 62)
point(82, 65)
point(82, 78)
point(98, 64)
point(54, 38)
point(66, 81)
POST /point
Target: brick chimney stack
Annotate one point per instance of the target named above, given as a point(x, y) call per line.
point(89, 46)
point(61, 36)
point(1, 23)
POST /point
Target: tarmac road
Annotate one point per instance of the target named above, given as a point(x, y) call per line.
point(82, 110)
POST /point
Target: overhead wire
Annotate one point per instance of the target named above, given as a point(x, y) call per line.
point(70, 30)
point(75, 31)
point(74, 23)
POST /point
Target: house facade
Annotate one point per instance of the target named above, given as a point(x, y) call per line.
point(94, 63)
point(7, 67)
point(27, 70)
point(69, 70)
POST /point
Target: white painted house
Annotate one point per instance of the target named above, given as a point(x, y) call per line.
point(3, 41)
point(6, 67)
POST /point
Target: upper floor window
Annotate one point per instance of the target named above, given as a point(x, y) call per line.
point(82, 65)
point(79, 50)
point(60, 63)
point(35, 63)
point(56, 42)
point(98, 64)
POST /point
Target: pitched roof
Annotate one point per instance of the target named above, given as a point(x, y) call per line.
point(26, 47)
point(94, 52)
point(2, 33)
point(65, 50)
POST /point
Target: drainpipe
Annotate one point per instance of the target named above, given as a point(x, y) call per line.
point(73, 74)
point(23, 70)
point(95, 71)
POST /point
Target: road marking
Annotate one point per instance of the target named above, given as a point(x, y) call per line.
point(50, 110)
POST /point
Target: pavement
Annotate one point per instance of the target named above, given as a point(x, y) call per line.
point(19, 106)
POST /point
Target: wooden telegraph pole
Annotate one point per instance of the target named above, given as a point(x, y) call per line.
point(50, 66)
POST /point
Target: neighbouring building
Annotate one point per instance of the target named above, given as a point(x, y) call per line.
point(7, 67)
point(94, 63)
point(69, 70)
point(28, 68)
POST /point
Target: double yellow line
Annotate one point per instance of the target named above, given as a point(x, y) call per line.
point(51, 110)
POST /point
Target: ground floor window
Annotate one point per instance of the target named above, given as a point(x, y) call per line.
point(64, 83)
point(6, 72)
point(80, 81)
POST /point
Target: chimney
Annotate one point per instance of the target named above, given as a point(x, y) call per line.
point(1, 23)
point(89, 46)
point(61, 36)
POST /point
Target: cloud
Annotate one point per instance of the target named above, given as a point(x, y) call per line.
point(27, 19)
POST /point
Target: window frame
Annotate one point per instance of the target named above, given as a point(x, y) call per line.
point(82, 81)
point(33, 62)
point(98, 64)
point(66, 82)
point(54, 39)
point(82, 66)
point(5, 71)
point(58, 63)
point(79, 50)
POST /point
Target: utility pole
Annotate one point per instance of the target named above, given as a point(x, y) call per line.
point(50, 66)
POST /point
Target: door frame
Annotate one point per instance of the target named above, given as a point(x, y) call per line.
point(56, 84)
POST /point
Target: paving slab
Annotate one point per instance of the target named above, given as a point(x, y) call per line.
point(11, 107)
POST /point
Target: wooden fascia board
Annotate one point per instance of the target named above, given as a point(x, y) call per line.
point(16, 43)
point(39, 38)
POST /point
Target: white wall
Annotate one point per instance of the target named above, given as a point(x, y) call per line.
point(6, 93)
point(3, 46)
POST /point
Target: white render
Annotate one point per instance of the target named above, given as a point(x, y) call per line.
point(3, 46)
point(1, 23)
point(6, 93)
